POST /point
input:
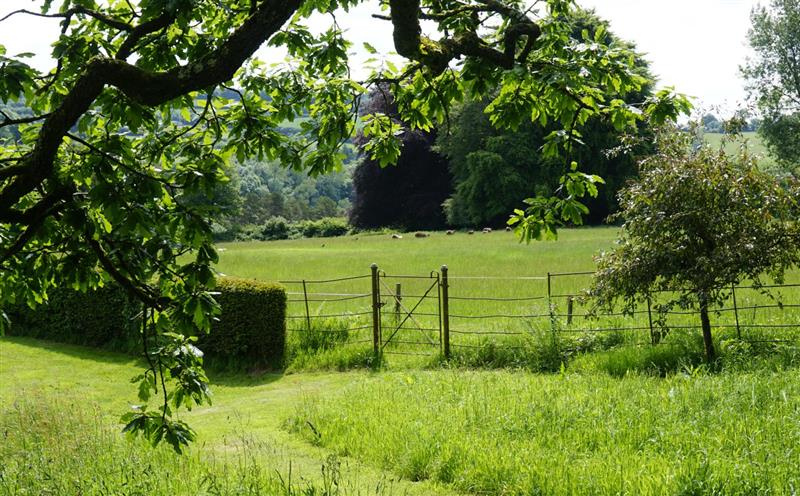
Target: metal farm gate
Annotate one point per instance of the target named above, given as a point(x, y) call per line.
point(407, 318)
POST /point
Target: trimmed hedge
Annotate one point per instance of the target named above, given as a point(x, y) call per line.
point(103, 318)
point(250, 332)
point(251, 329)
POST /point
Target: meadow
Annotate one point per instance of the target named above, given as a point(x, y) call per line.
point(500, 311)
point(749, 139)
point(518, 433)
point(588, 413)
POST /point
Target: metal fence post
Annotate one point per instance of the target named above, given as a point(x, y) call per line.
point(736, 312)
point(550, 309)
point(308, 314)
point(653, 338)
point(398, 297)
point(376, 310)
point(444, 284)
point(569, 310)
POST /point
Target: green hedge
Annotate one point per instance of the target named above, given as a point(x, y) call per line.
point(250, 331)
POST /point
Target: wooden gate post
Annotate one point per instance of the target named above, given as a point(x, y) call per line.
point(376, 310)
point(445, 304)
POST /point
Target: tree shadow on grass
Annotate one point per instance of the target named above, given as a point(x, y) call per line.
point(229, 378)
point(76, 351)
point(244, 379)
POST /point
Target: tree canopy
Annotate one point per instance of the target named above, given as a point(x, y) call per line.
point(496, 169)
point(96, 179)
point(695, 223)
point(410, 193)
point(773, 77)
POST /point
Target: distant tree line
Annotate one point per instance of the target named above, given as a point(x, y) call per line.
point(261, 194)
point(711, 124)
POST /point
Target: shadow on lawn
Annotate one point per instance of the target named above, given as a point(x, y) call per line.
point(216, 376)
point(76, 351)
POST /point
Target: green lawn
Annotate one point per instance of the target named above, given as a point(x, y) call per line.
point(453, 431)
point(246, 413)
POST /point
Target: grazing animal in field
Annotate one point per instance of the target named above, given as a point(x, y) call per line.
point(470, 232)
point(450, 232)
point(508, 228)
point(396, 236)
point(487, 230)
point(421, 235)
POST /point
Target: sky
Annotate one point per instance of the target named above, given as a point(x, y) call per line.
point(694, 45)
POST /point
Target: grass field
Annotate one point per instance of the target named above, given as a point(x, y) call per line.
point(617, 420)
point(406, 432)
point(518, 434)
point(498, 290)
point(751, 140)
point(59, 411)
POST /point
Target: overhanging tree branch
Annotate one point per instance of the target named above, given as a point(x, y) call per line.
point(144, 87)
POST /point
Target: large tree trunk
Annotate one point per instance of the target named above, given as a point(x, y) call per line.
point(707, 339)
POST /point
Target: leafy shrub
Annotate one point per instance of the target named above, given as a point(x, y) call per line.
point(280, 228)
point(249, 232)
point(250, 332)
point(224, 233)
point(103, 318)
point(323, 228)
point(275, 228)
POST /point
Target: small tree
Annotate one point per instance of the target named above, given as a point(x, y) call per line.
point(695, 223)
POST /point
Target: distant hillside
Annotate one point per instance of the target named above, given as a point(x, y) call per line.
point(751, 139)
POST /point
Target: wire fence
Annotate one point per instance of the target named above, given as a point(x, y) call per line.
point(434, 313)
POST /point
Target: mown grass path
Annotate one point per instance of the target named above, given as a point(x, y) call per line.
point(245, 410)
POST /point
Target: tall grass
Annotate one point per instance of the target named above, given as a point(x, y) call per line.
point(60, 447)
point(330, 343)
point(515, 433)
